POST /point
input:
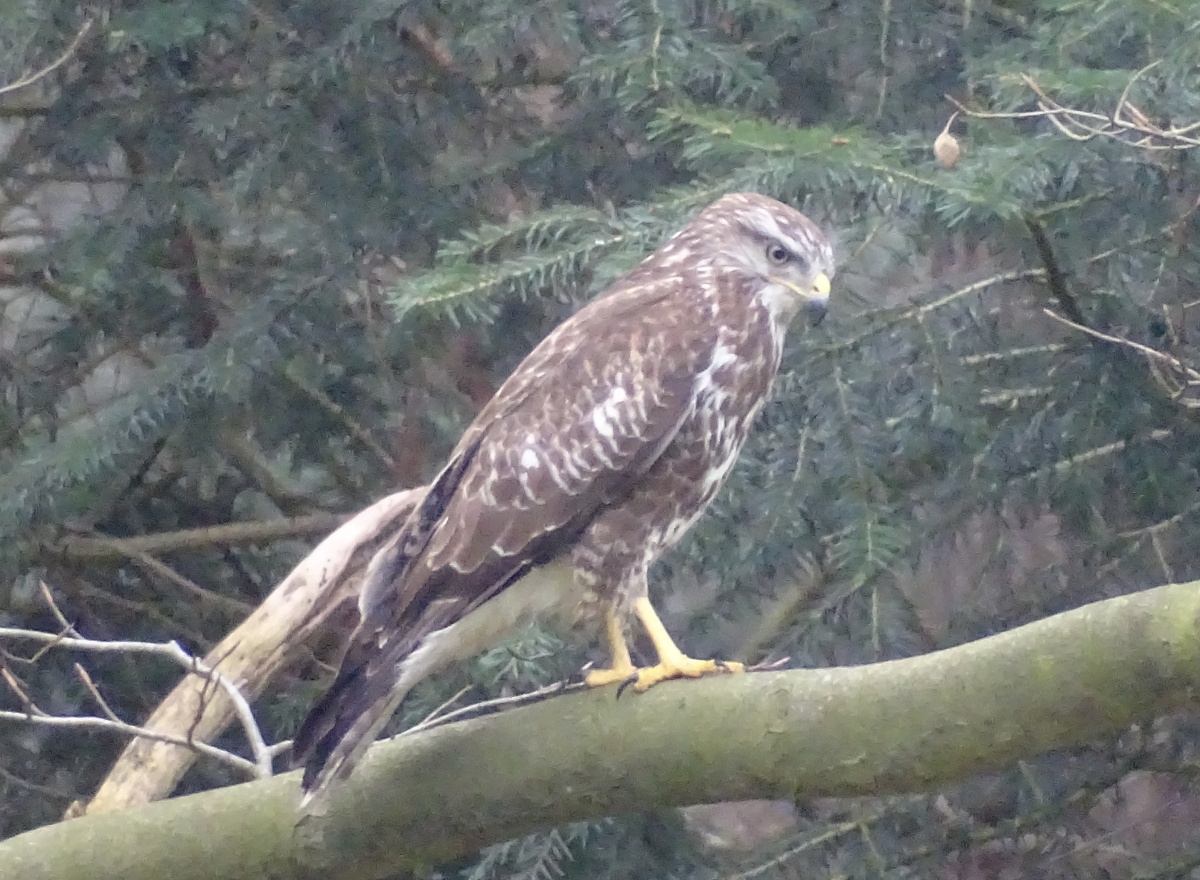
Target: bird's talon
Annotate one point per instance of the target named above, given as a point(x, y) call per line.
point(612, 675)
point(631, 680)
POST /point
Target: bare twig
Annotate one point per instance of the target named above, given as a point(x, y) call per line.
point(1100, 452)
point(86, 678)
point(190, 587)
point(1023, 351)
point(92, 722)
point(260, 767)
point(446, 704)
point(80, 547)
point(1126, 124)
point(1161, 525)
point(44, 790)
point(486, 707)
point(352, 426)
point(1129, 343)
point(974, 287)
point(1189, 377)
point(15, 686)
point(30, 78)
point(67, 627)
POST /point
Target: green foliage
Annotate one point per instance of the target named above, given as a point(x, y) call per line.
point(543, 855)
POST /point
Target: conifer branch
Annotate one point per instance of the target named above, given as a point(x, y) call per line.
point(1054, 275)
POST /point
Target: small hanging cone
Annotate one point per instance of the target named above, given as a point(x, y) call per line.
point(945, 146)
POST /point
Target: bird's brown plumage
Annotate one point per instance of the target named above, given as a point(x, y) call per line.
point(598, 452)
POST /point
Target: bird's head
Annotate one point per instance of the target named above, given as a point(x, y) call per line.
point(784, 252)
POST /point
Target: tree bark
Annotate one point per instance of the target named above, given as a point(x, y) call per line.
point(889, 727)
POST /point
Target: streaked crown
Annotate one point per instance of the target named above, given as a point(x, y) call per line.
point(773, 243)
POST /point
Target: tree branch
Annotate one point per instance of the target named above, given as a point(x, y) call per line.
point(1055, 278)
point(30, 78)
point(250, 656)
point(888, 727)
point(70, 639)
point(83, 548)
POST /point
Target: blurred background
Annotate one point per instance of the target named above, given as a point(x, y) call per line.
point(263, 261)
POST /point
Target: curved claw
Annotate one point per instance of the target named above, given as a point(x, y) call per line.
point(632, 680)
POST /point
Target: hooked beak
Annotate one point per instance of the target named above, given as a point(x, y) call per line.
point(815, 300)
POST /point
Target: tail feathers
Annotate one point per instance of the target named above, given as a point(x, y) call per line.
point(342, 726)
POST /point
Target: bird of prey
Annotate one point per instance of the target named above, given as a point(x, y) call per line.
point(597, 454)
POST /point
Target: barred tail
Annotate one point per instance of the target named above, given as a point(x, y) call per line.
point(344, 724)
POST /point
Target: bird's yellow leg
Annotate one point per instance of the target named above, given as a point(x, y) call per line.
point(622, 668)
point(672, 662)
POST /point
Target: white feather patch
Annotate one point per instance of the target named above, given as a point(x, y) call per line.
point(544, 592)
point(600, 420)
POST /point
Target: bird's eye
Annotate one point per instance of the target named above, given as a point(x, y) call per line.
point(777, 254)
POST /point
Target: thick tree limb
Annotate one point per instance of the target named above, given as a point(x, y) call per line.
point(888, 727)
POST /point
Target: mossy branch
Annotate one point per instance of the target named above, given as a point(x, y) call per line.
point(901, 725)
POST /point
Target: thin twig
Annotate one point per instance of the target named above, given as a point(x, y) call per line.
point(261, 766)
point(31, 78)
point(14, 684)
point(95, 692)
point(156, 566)
point(446, 704)
point(44, 790)
point(1162, 525)
point(81, 547)
point(67, 627)
point(1099, 452)
point(1149, 352)
point(91, 722)
point(352, 426)
point(486, 707)
point(1126, 124)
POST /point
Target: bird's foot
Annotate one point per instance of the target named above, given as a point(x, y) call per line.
point(612, 675)
point(678, 667)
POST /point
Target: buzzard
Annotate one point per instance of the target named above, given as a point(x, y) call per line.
point(596, 455)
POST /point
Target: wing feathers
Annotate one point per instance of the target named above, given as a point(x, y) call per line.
point(350, 715)
point(390, 563)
